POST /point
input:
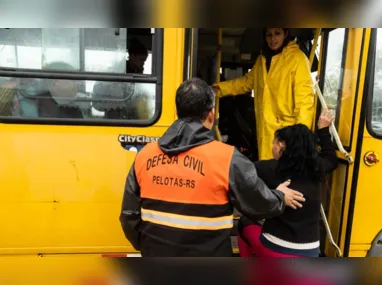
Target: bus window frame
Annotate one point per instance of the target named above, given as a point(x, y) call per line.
point(156, 77)
point(370, 94)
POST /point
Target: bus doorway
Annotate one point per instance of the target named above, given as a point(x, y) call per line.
point(225, 54)
point(232, 55)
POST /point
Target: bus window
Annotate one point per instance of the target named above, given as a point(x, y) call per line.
point(91, 54)
point(376, 108)
point(60, 45)
point(333, 71)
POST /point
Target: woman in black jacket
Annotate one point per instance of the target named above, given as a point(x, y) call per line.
point(296, 232)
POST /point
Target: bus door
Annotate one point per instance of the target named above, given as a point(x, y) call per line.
point(342, 70)
point(363, 234)
point(250, 47)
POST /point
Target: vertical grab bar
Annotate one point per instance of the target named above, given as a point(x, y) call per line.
point(218, 64)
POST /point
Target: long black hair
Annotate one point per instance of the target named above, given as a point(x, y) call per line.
point(300, 156)
point(266, 50)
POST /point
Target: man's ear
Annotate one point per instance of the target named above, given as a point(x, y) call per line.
point(212, 115)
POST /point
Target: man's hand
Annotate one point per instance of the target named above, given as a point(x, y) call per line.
point(291, 197)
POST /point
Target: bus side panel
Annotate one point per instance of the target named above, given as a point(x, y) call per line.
point(367, 211)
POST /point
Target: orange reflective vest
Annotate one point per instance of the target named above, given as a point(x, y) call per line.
point(180, 192)
point(192, 186)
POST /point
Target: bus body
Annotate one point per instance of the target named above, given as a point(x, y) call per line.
point(62, 175)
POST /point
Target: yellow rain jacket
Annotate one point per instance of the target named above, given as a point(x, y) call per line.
point(283, 97)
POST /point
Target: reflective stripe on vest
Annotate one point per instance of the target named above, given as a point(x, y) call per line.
point(186, 222)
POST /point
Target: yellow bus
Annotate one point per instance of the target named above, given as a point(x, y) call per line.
point(64, 159)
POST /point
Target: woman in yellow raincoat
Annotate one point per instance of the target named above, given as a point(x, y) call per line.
point(283, 88)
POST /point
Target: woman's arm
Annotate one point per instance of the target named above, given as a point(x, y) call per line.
point(236, 86)
point(328, 157)
point(303, 93)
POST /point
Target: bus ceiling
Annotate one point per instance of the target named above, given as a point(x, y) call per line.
point(242, 45)
point(238, 32)
point(245, 40)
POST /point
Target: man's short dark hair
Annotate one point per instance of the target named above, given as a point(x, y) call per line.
point(194, 100)
point(136, 47)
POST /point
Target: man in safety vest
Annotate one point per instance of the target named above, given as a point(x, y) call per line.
point(181, 190)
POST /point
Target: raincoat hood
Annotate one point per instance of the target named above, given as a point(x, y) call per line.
point(182, 136)
point(291, 47)
point(288, 48)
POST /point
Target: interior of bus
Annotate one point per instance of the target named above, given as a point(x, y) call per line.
point(239, 51)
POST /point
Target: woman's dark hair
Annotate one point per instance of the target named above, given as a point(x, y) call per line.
point(266, 50)
point(300, 157)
